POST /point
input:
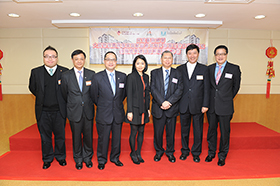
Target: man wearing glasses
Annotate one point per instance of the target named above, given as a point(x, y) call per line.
point(108, 93)
point(224, 84)
point(50, 107)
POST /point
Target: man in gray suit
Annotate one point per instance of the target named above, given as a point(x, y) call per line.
point(108, 93)
point(80, 109)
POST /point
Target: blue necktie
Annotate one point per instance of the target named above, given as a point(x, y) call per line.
point(51, 71)
point(113, 84)
point(166, 81)
point(80, 81)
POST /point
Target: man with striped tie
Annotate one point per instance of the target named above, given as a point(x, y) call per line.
point(224, 84)
point(166, 89)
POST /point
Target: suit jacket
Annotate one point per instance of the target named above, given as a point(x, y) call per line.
point(135, 99)
point(36, 86)
point(173, 95)
point(77, 101)
point(221, 95)
point(109, 106)
point(196, 90)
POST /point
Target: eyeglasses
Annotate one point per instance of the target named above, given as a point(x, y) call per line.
point(221, 54)
point(110, 60)
point(52, 57)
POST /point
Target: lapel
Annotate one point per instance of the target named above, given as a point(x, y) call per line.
point(212, 74)
point(107, 81)
point(41, 77)
point(171, 76)
point(223, 74)
point(74, 78)
point(161, 80)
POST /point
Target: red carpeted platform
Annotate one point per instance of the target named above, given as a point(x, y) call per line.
point(254, 153)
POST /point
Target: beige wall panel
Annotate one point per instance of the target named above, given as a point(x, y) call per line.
point(218, 33)
point(250, 55)
point(275, 34)
point(20, 55)
point(18, 33)
point(249, 34)
point(65, 46)
point(64, 32)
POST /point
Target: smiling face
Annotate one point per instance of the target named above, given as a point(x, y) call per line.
point(79, 61)
point(140, 65)
point(192, 56)
point(110, 62)
point(50, 58)
point(167, 60)
point(221, 56)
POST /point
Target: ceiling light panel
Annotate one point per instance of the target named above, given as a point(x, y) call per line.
point(229, 1)
point(38, 1)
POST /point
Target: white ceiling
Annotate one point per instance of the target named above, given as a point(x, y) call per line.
point(233, 16)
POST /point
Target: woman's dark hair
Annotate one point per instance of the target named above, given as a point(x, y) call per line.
point(134, 62)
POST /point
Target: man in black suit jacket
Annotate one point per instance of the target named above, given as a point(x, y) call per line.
point(80, 109)
point(108, 93)
point(224, 84)
point(194, 102)
point(166, 89)
point(50, 107)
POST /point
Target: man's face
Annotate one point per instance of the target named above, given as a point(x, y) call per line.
point(221, 56)
point(166, 60)
point(50, 58)
point(110, 62)
point(192, 56)
point(79, 61)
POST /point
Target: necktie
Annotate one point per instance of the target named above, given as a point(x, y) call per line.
point(166, 81)
point(218, 75)
point(80, 81)
point(51, 71)
point(113, 84)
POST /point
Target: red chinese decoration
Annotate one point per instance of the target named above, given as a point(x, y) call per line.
point(1, 54)
point(270, 52)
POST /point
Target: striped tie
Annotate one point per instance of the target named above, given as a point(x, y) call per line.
point(166, 81)
point(218, 75)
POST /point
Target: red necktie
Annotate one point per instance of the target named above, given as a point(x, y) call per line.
point(218, 75)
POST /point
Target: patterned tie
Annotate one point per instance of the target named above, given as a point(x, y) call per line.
point(166, 81)
point(218, 75)
point(51, 71)
point(80, 80)
point(113, 84)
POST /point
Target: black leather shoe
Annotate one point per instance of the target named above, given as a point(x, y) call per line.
point(134, 159)
point(88, 164)
point(101, 166)
point(118, 163)
point(62, 162)
point(183, 156)
point(46, 165)
point(171, 158)
point(140, 159)
point(196, 159)
point(209, 158)
point(221, 162)
point(157, 157)
point(79, 166)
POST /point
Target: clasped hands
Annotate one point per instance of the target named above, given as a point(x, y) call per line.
point(165, 105)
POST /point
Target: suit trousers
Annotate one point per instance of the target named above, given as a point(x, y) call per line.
point(224, 122)
point(103, 131)
point(197, 132)
point(82, 134)
point(159, 125)
point(52, 122)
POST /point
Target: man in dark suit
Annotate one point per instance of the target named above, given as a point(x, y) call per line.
point(224, 84)
point(80, 109)
point(166, 89)
point(108, 93)
point(50, 107)
point(194, 102)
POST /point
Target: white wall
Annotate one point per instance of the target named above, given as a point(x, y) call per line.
point(23, 51)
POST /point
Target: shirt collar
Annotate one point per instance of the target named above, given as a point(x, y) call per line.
point(48, 68)
point(76, 70)
point(223, 65)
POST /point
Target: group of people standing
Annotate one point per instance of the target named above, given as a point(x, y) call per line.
point(191, 89)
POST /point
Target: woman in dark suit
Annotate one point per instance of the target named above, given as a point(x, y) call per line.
point(138, 104)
